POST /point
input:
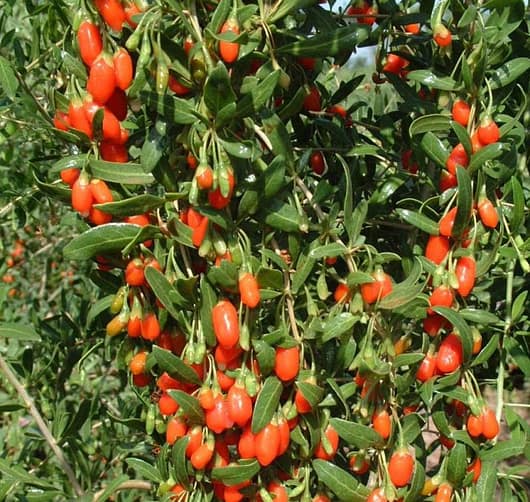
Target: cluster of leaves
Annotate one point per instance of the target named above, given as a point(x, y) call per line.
point(320, 202)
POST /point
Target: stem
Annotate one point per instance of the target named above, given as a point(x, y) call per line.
point(321, 216)
point(133, 484)
point(288, 296)
point(506, 332)
point(11, 377)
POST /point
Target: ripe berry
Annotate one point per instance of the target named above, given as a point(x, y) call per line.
point(444, 493)
point(450, 355)
point(488, 132)
point(176, 429)
point(465, 272)
point(382, 423)
point(457, 157)
point(216, 199)
point(317, 163)
point(202, 456)
point(89, 41)
point(150, 327)
point(427, 368)
point(378, 495)
point(445, 225)
point(342, 293)
point(490, 424)
point(442, 36)
point(378, 289)
point(488, 214)
point(442, 296)
point(460, 112)
point(167, 405)
point(287, 363)
point(101, 79)
point(437, 248)
point(137, 363)
point(312, 100)
point(82, 198)
point(401, 468)
point(239, 405)
point(204, 177)
point(229, 51)
point(249, 290)
point(123, 68)
point(134, 273)
point(225, 324)
point(267, 444)
point(112, 12)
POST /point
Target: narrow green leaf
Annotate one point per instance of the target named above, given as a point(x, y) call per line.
point(258, 96)
point(125, 174)
point(311, 392)
point(144, 469)
point(487, 481)
point(273, 179)
point(8, 78)
point(503, 450)
point(18, 331)
point(428, 78)
point(461, 326)
point(179, 459)
point(328, 251)
point(489, 152)
point(419, 220)
point(266, 403)
point(16, 473)
point(100, 239)
point(429, 123)
point(218, 91)
point(508, 72)
point(517, 217)
point(405, 291)
point(358, 435)
point(303, 270)
point(338, 325)
point(165, 292)
point(463, 136)
point(171, 363)
point(456, 465)
point(341, 483)
point(112, 487)
point(138, 204)
point(236, 473)
point(208, 300)
point(189, 405)
point(327, 44)
point(282, 216)
point(434, 148)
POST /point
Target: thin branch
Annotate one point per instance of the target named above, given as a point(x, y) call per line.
point(288, 296)
point(41, 425)
point(132, 484)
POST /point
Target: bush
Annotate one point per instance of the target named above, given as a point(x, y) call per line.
point(290, 273)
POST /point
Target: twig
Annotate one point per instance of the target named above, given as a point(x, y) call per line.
point(321, 216)
point(132, 484)
point(41, 425)
point(288, 296)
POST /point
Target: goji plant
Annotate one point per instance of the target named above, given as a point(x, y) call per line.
point(312, 270)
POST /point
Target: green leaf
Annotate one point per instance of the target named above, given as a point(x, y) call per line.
point(176, 110)
point(408, 359)
point(328, 251)
point(479, 316)
point(99, 240)
point(266, 403)
point(208, 301)
point(434, 148)
point(419, 220)
point(504, 449)
point(277, 133)
point(461, 326)
point(138, 204)
point(112, 487)
point(357, 435)
point(349, 223)
point(218, 91)
point(125, 174)
point(152, 149)
point(273, 179)
point(429, 123)
point(18, 331)
point(518, 306)
point(508, 72)
point(487, 351)
point(327, 44)
point(252, 102)
point(517, 216)
point(144, 469)
point(429, 79)
point(488, 152)
point(487, 481)
point(338, 325)
point(405, 291)
point(178, 457)
point(165, 292)
point(464, 201)
point(463, 136)
point(8, 78)
point(342, 484)
point(282, 216)
point(456, 465)
point(236, 473)
point(55, 190)
point(68, 162)
point(17, 473)
point(283, 8)
point(219, 16)
point(9, 405)
point(171, 363)
point(311, 392)
point(303, 270)
point(189, 405)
